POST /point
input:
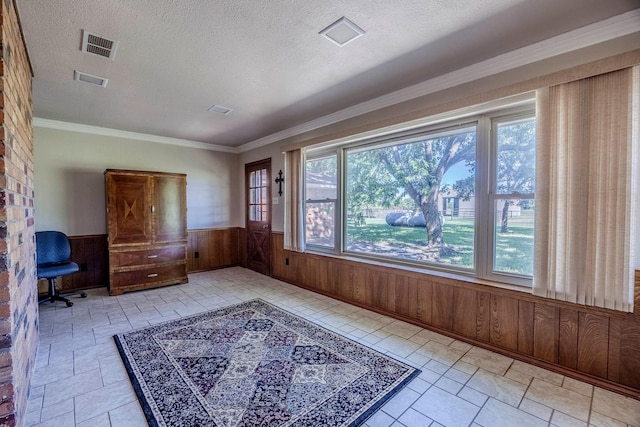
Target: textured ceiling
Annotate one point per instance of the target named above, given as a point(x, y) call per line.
point(265, 59)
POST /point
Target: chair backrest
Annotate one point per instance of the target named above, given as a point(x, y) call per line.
point(52, 247)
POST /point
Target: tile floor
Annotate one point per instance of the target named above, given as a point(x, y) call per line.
point(80, 379)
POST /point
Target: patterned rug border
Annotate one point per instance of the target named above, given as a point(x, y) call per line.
point(146, 406)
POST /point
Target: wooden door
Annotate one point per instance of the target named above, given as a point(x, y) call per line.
point(129, 205)
point(169, 206)
point(258, 215)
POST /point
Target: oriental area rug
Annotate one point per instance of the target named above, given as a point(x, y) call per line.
point(254, 364)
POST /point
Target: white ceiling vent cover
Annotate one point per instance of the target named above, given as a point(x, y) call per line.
point(219, 109)
point(98, 45)
point(342, 31)
point(88, 78)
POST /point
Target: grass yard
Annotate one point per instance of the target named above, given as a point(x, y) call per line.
point(514, 250)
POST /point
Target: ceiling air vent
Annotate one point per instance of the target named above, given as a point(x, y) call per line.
point(219, 109)
point(342, 32)
point(97, 45)
point(88, 78)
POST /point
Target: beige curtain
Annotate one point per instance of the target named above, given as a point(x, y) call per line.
point(586, 184)
point(294, 218)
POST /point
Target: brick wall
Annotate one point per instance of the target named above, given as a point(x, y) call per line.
point(18, 285)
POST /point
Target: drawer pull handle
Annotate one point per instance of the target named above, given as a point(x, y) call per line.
point(152, 256)
point(152, 275)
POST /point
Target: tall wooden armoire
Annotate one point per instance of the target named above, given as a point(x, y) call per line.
point(147, 229)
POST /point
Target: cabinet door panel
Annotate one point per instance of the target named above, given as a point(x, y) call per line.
point(128, 203)
point(170, 206)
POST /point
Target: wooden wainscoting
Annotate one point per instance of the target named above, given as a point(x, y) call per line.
point(595, 345)
point(90, 253)
point(216, 248)
point(212, 248)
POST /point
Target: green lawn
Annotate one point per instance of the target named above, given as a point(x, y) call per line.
point(514, 250)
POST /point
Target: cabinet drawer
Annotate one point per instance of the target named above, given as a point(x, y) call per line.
point(147, 256)
point(161, 274)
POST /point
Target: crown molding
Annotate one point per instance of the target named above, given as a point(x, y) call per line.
point(115, 133)
point(609, 29)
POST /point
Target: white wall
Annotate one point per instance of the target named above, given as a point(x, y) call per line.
point(69, 179)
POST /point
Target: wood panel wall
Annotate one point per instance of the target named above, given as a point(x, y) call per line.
point(209, 249)
point(90, 253)
point(215, 248)
point(596, 345)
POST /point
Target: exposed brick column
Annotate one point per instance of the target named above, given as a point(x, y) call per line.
point(18, 285)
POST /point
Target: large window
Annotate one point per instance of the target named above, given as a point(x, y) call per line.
point(459, 196)
point(411, 199)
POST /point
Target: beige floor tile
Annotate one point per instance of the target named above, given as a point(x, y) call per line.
point(473, 396)
point(58, 409)
point(449, 385)
point(599, 420)
point(498, 387)
point(400, 402)
point(567, 401)
point(434, 336)
point(402, 329)
point(437, 367)
point(445, 408)
point(441, 353)
point(101, 420)
point(534, 371)
point(457, 375)
point(460, 345)
point(560, 419)
point(100, 401)
point(380, 419)
point(499, 414)
point(47, 374)
point(397, 345)
point(67, 388)
point(487, 360)
point(537, 409)
point(64, 420)
point(616, 406)
point(129, 415)
point(414, 418)
point(518, 376)
point(112, 370)
point(32, 418)
point(577, 386)
point(465, 367)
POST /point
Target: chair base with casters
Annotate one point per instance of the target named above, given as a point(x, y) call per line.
point(54, 295)
point(53, 252)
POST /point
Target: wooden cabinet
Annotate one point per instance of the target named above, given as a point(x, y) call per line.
point(147, 229)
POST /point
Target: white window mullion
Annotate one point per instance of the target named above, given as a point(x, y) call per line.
point(483, 204)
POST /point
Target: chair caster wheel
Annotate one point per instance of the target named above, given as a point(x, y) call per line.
point(69, 303)
point(83, 294)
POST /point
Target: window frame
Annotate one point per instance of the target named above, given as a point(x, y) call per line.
point(492, 196)
point(485, 123)
point(337, 211)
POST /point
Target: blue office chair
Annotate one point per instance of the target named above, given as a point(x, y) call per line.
point(53, 252)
